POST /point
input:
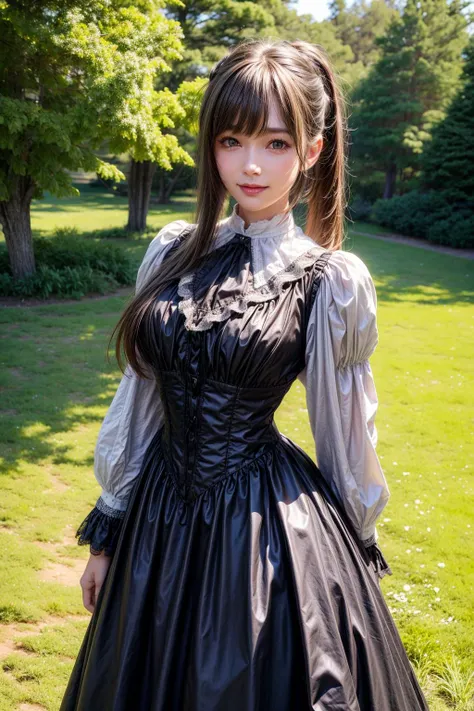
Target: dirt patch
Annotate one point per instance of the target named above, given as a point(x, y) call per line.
point(58, 484)
point(12, 633)
point(68, 539)
point(10, 647)
point(53, 547)
point(30, 707)
point(62, 573)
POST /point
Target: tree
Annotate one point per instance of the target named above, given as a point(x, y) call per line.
point(407, 91)
point(72, 74)
point(449, 156)
point(358, 27)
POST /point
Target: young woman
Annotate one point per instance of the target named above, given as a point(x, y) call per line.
point(229, 572)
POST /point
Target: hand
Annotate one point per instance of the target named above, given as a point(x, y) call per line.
point(92, 579)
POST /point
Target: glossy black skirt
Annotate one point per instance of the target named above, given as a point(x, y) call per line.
point(255, 597)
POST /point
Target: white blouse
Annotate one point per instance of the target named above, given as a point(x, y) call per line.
point(340, 391)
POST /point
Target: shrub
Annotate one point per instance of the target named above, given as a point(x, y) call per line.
point(119, 233)
point(359, 210)
point(69, 266)
point(433, 216)
point(457, 230)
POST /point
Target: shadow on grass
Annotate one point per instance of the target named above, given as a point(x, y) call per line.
point(54, 380)
point(55, 372)
point(404, 274)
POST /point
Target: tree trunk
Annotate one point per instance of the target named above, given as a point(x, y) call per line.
point(139, 189)
point(165, 189)
point(16, 223)
point(390, 179)
point(161, 188)
point(173, 182)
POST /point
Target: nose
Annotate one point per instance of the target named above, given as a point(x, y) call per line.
point(252, 169)
point(250, 166)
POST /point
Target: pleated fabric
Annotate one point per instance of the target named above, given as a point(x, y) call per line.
point(256, 596)
point(238, 579)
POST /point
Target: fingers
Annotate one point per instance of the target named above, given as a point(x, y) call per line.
point(88, 585)
point(91, 582)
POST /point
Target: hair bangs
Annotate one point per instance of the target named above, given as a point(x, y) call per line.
point(243, 104)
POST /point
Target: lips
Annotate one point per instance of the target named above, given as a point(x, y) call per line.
point(252, 189)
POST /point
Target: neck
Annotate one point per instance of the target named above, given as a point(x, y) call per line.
point(266, 214)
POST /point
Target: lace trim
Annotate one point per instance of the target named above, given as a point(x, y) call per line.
point(100, 531)
point(201, 319)
point(109, 510)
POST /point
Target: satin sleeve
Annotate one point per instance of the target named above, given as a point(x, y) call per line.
point(341, 395)
point(130, 423)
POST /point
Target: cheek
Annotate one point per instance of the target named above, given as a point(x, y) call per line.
point(289, 168)
point(223, 161)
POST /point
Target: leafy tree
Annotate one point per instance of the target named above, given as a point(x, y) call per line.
point(407, 91)
point(358, 27)
point(74, 73)
point(448, 158)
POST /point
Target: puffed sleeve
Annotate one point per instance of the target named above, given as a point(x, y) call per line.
point(131, 421)
point(341, 396)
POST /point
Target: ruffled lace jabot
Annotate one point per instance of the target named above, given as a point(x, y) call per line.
point(244, 266)
point(280, 224)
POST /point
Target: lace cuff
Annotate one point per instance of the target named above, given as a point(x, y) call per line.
point(100, 529)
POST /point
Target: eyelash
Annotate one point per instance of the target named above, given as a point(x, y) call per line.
point(275, 140)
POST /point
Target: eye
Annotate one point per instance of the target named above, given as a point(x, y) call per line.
point(279, 140)
point(227, 138)
point(282, 147)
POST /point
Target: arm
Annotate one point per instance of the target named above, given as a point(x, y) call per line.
point(133, 418)
point(341, 395)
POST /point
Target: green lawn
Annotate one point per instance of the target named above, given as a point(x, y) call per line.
point(96, 209)
point(56, 385)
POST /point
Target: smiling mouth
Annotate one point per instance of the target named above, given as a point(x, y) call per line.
point(253, 188)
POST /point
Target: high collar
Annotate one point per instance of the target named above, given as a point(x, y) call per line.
point(280, 224)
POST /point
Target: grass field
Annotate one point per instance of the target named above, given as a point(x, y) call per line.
point(56, 385)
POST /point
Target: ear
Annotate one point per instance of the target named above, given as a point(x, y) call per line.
point(313, 152)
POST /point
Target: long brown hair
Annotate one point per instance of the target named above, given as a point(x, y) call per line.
point(239, 93)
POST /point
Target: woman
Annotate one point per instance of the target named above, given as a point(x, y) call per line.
point(229, 572)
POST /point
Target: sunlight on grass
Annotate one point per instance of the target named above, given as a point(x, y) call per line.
point(56, 387)
point(95, 209)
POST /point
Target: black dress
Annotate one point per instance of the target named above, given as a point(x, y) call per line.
point(238, 581)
